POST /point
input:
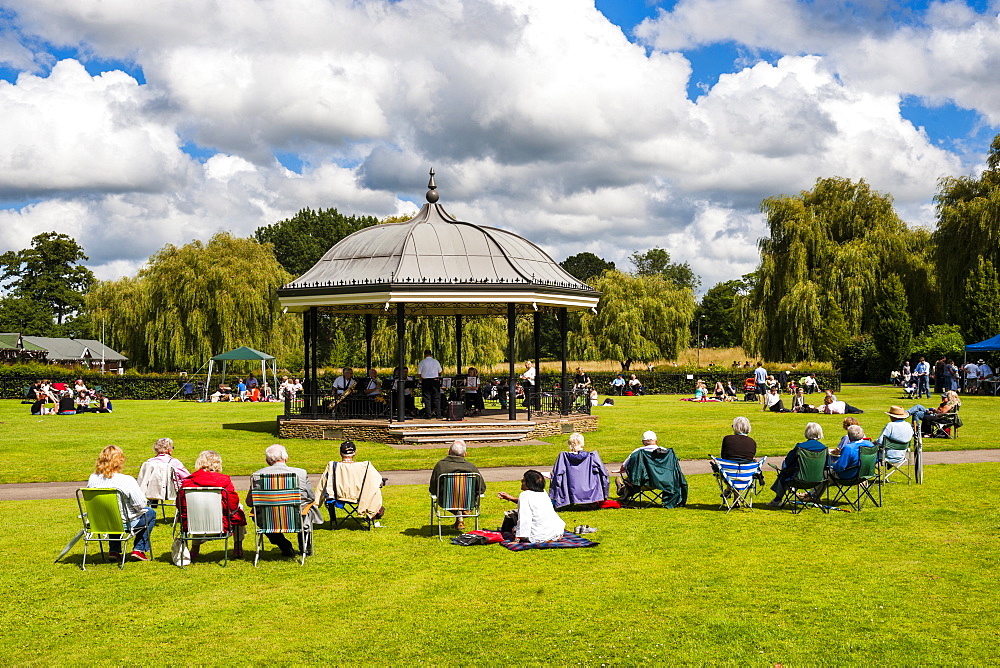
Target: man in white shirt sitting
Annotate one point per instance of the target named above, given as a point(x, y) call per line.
point(344, 382)
point(372, 385)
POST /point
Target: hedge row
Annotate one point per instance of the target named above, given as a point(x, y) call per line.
point(114, 386)
point(660, 382)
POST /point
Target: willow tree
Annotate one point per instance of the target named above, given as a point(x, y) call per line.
point(194, 301)
point(638, 318)
point(968, 231)
point(821, 266)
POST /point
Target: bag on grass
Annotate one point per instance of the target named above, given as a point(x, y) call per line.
point(179, 553)
point(467, 539)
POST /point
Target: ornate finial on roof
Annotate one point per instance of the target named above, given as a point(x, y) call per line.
point(432, 195)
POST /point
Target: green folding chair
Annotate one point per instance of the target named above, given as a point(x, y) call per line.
point(101, 511)
point(903, 467)
point(458, 496)
point(812, 473)
point(277, 508)
point(204, 510)
point(853, 491)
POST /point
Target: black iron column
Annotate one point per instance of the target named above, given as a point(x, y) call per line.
point(313, 386)
point(400, 361)
point(567, 393)
point(306, 341)
point(458, 343)
point(368, 342)
point(511, 385)
point(536, 389)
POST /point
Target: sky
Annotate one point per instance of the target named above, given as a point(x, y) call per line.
point(610, 127)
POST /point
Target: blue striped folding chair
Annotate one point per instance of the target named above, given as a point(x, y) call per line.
point(277, 508)
point(736, 482)
point(458, 496)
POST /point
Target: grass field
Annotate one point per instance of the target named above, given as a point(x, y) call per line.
point(910, 583)
point(61, 448)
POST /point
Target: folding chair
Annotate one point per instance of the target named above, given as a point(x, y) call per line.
point(101, 510)
point(944, 425)
point(204, 509)
point(862, 485)
point(158, 481)
point(903, 467)
point(277, 508)
point(347, 497)
point(812, 473)
point(736, 482)
point(653, 476)
point(458, 497)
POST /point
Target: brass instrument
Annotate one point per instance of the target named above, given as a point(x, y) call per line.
point(330, 405)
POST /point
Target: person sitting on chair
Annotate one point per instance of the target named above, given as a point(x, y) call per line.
point(473, 397)
point(846, 457)
point(108, 473)
point(897, 433)
point(355, 481)
point(535, 520)
point(738, 446)
point(208, 473)
point(455, 462)
point(276, 457)
point(949, 402)
point(845, 439)
point(649, 443)
point(790, 467)
point(581, 380)
point(372, 385)
point(635, 386)
point(344, 381)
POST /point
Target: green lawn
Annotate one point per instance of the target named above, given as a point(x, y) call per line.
point(911, 583)
point(58, 448)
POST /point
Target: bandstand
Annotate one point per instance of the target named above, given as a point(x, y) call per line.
point(434, 265)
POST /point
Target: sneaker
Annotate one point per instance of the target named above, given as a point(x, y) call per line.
point(141, 556)
point(774, 503)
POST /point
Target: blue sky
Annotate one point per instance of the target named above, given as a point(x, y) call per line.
point(608, 127)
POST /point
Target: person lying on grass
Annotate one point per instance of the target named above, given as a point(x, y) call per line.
point(535, 520)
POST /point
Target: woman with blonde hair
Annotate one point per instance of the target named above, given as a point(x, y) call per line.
point(208, 473)
point(575, 442)
point(135, 513)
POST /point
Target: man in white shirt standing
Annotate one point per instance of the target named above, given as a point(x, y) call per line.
point(528, 382)
point(429, 371)
point(971, 377)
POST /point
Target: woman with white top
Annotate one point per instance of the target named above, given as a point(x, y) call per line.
point(535, 520)
point(473, 398)
point(108, 473)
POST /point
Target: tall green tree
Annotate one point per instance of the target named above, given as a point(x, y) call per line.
point(981, 316)
point(968, 228)
point(892, 332)
point(638, 318)
point(827, 251)
point(721, 307)
point(656, 262)
point(194, 301)
point(48, 274)
point(300, 241)
point(585, 266)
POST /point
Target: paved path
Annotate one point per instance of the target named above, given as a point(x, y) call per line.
point(67, 490)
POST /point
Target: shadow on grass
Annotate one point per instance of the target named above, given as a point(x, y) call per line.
point(430, 531)
point(261, 427)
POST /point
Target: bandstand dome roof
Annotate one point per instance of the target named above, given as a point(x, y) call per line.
point(440, 263)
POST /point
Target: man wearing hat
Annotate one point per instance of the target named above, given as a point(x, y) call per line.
point(897, 435)
point(648, 443)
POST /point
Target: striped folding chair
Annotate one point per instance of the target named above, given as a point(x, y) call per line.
point(736, 482)
point(458, 496)
point(277, 508)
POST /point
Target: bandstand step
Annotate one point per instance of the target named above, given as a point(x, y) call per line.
point(499, 436)
point(457, 431)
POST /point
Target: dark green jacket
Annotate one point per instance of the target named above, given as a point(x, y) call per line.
point(658, 469)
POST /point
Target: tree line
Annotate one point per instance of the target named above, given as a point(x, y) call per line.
point(841, 278)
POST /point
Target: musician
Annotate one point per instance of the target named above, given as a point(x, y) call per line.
point(372, 385)
point(429, 371)
point(344, 382)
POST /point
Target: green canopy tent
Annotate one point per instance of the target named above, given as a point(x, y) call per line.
point(243, 353)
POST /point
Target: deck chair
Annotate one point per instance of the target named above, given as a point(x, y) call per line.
point(204, 508)
point(944, 425)
point(457, 493)
point(158, 481)
point(354, 489)
point(854, 490)
point(578, 478)
point(653, 476)
point(904, 467)
point(737, 482)
point(101, 510)
point(812, 473)
point(277, 508)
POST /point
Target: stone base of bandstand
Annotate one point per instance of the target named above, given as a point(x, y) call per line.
point(490, 429)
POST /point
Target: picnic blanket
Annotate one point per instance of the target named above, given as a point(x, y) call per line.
point(568, 540)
